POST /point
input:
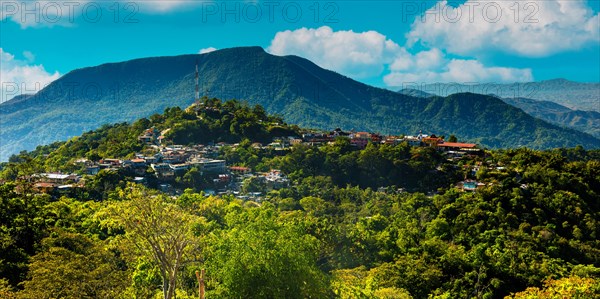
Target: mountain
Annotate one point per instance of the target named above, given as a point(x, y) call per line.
point(584, 121)
point(573, 95)
point(19, 98)
point(290, 86)
point(415, 93)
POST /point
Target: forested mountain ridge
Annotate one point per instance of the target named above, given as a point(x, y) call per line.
point(584, 121)
point(552, 112)
point(290, 86)
point(574, 95)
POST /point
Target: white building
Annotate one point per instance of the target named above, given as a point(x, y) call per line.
point(209, 165)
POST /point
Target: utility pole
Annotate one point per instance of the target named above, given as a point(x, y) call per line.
point(200, 277)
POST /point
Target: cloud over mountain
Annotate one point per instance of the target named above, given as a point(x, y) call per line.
point(19, 76)
point(434, 66)
point(207, 50)
point(367, 54)
point(356, 54)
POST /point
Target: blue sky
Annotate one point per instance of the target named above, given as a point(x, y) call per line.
point(383, 43)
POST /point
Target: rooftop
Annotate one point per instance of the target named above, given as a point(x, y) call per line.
point(239, 168)
point(457, 144)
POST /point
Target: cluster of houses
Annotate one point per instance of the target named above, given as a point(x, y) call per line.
point(49, 182)
point(154, 137)
point(361, 139)
point(272, 180)
point(171, 161)
point(168, 163)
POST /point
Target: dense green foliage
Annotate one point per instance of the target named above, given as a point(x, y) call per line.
point(532, 231)
point(293, 87)
point(500, 240)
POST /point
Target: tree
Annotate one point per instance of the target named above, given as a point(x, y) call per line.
point(6, 291)
point(103, 182)
point(258, 257)
point(159, 229)
point(73, 266)
point(568, 287)
point(315, 205)
point(21, 228)
point(350, 283)
point(452, 138)
point(254, 184)
point(192, 178)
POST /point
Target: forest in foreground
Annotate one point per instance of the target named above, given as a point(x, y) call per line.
point(386, 221)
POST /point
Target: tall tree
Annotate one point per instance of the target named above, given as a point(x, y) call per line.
point(258, 257)
point(157, 228)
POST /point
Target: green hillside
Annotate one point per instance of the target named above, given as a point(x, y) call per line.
point(574, 95)
point(584, 121)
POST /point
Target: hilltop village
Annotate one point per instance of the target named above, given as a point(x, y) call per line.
point(163, 164)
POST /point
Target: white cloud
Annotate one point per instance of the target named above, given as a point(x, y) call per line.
point(21, 77)
point(358, 55)
point(527, 28)
point(423, 60)
point(29, 56)
point(434, 66)
point(369, 54)
point(459, 71)
point(207, 50)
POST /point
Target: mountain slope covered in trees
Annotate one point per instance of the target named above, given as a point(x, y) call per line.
point(574, 95)
point(584, 121)
point(290, 86)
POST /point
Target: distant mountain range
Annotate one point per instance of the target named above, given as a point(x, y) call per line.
point(415, 93)
point(584, 121)
point(291, 86)
point(573, 95)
